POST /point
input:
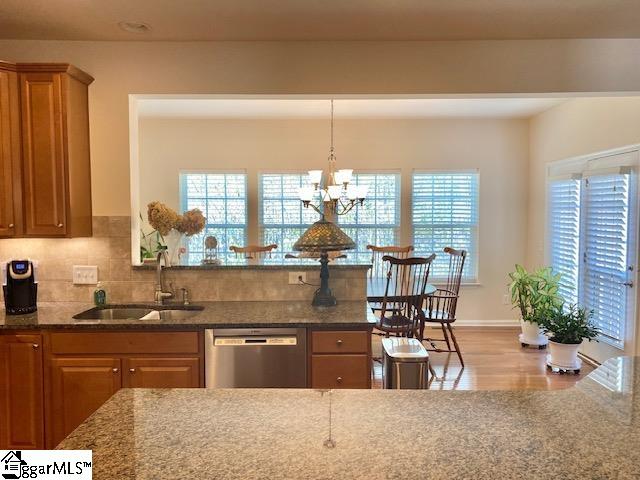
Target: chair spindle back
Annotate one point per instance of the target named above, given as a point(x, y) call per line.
point(378, 267)
point(405, 292)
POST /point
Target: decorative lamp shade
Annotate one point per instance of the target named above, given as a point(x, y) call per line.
point(324, 236)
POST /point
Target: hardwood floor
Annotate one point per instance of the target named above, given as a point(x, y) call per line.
point(494, 360)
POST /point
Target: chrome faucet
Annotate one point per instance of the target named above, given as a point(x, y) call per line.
point(160, 294)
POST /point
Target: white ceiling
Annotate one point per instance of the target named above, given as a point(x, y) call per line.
point(184, 20)
point(345, 108)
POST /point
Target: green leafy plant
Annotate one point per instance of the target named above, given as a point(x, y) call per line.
point(535, 294)
point(150, 243)
point(570, 326)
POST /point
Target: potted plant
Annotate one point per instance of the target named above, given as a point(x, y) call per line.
point(535, 294)
point(567, 329)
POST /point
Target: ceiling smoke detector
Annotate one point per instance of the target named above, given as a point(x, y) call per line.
point(134, 27)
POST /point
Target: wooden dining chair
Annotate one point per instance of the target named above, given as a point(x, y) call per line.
point(441, 305)
point(378, 269)
point(253, 251)
point(401, 306)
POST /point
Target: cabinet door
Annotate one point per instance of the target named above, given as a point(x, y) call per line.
point(340, 371)
point(9, 154)
point(79, 386)
point(162, 373)
point(21, 392)
point(43, 150)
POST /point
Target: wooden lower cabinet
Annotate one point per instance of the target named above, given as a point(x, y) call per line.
point(340, 371)
point(21, 392)
point(153, 372)
point(79, 386)
point(340, 358)
point(86, 368)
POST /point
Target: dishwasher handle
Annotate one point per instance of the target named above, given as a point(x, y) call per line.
point(271, 341)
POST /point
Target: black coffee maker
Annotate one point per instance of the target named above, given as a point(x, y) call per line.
point(20, 287)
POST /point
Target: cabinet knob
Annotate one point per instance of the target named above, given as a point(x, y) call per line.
point(339, 379)
point(11, 225)
point(338, 342)
point(115, 370)
point(60, 225)
point(132, 370)
point(35, 346)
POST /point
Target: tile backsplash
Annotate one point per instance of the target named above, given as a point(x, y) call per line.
point(110, 250)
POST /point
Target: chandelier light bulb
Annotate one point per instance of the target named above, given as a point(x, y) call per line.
point(346, 175)
point(315, 177)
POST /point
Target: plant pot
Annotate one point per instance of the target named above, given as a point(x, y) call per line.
point(564, 355)
point(532, 334)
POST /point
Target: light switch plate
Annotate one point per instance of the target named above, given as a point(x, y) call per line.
point(85, 274)
point(294, 277)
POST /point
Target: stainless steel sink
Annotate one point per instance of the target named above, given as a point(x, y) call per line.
point(139, 312)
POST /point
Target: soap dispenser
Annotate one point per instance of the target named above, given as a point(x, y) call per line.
point(99, 296)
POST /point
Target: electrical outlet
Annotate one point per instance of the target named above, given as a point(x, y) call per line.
point(85, 274)
point(506, 299)
point(295, 277)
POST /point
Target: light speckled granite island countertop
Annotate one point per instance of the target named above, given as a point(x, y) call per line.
point(347, 314)
point(590, 431)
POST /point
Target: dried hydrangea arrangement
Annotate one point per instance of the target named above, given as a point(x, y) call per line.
point(191, 222)
point(163, 219)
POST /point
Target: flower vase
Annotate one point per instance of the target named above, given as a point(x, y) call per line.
point(174, 246)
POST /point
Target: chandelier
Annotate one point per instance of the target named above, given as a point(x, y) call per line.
point(336, 195)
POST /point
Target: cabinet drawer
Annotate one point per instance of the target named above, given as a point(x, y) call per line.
point(98, 343)
point(340, 371)
point(340, 342)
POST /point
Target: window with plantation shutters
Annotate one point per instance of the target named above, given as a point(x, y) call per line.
point(283, 218)
point(445, 214)
point(377, 221)
point(605, 216)
point(222, 198)
point(592, 240)
point(564, 229)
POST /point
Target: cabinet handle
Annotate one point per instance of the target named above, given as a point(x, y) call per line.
point(11, 225)
point(132, 370)
point(339, 342)
point(35, 346)
point(60, 225)
point(339, 379)
point(115, 370)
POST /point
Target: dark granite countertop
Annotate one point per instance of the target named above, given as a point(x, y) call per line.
point(590, 431)
point(347, 314)
point(260, 266)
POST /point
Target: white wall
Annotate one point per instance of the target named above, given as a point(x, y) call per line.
point(123, 68)
point(498, 148)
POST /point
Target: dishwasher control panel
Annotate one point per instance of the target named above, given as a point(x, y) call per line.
point(240, 341)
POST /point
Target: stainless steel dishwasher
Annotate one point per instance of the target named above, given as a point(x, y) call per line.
point(256, 358)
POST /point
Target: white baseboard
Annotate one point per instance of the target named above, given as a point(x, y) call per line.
point(486, 323)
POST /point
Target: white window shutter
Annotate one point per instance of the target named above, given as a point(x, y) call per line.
point(283, 218)
point(377, 221)
point(445, 214)
point(564, 234)
point(222, 198)
point(606, 236)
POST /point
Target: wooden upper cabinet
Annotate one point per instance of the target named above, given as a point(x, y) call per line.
point(10, 180)
point(51, 165)
point(44, 154)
